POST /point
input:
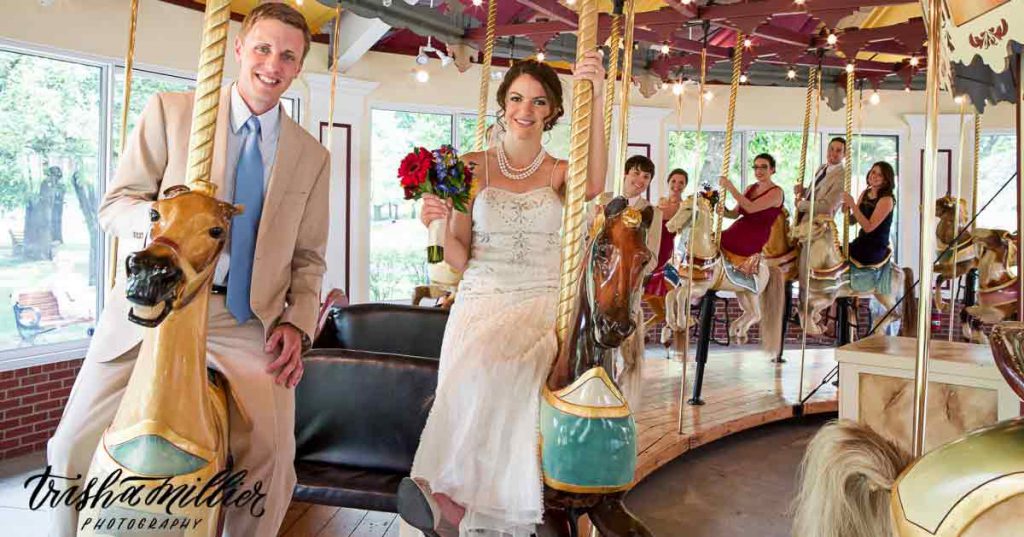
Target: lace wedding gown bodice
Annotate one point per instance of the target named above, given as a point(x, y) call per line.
point(516, 242)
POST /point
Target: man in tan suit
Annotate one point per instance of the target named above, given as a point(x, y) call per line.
point(827, 185)
point(258, 345)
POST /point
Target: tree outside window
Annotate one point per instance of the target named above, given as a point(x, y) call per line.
point(684, 150)
point(997, 162)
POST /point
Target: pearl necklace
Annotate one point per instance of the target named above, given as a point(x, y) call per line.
point(518, 174)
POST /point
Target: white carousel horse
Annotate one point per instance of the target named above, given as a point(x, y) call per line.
point(832, 277)
point(761, 294)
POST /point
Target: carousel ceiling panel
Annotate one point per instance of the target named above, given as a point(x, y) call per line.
point(317, 15)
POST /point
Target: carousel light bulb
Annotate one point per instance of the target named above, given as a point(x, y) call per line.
point(422, 76)
point(540, 56)
point(914, 61)
point(677, 88)
point(743, 79)
point(570, 2)
point(791, 74)
point(664, 85)
point(685, 2)
point(832, 39)
point(709, 95)
point(798, 2)
point(664, 48)
point(875, 98)
point(906, 89)
point(849, 68)
point(298, 3)
point(747, 43)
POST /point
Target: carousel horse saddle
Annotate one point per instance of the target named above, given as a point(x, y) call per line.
point(868, 278)
point(964, 252)
point(742, 271)
point(703, 269)
point(588, 436)
point(986, 463)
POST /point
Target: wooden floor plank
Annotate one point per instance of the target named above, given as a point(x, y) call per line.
point(742, 389)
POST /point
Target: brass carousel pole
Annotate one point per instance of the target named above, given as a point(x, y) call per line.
point(485, 76)
point(336, 34)
point(1020, 186)
point(730, 122)
point(813, 81)
point(627, 84)
point(207, 96)
point(954, 282)
point(976, 167)
point(693, 224)
point(848, 172)
point(129, 60)
point(924, 301)
point(576, 180)
point(614, 43)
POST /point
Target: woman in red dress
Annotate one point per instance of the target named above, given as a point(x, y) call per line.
point(677, 180)
point(756, 210)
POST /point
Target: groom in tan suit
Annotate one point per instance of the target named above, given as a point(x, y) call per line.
point(828, 184)
point(257, 345)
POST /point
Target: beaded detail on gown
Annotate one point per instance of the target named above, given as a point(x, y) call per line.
point(480, 445)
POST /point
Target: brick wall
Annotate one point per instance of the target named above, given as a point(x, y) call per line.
point(31, 402)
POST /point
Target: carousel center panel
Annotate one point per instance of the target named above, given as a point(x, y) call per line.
point(965, 389)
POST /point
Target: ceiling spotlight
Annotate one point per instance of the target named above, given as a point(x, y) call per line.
point(664, 48)
point(906, 89)
point(791, 74)
point(914, 61)
point(664, 85)
point(540, 56)
point(677, 88)
point(849, 68)
point(747, 43)
point(422, 76)
point(422, 58)
point(832, 39)
point(709, 95)
point(743, 79)
point(959, 99)
point(875, 98)
point(497, 75)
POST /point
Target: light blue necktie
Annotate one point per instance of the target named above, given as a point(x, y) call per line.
point(248, 192)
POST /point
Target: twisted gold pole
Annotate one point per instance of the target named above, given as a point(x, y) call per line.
point(811, 77)
point(931, 147)
point(954, 285)
point(614, 41)
point(485, 76)
point(848, 172)
point(806, 265)
point(207, 96)
point(730, 121)
point(976, 167)
point(697, 156)
point(129, 61)
point(334, 76)
point(576, 180)
point(627, 85)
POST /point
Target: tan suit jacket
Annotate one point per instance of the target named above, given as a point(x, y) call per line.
point(829, 196)
point(289, 261)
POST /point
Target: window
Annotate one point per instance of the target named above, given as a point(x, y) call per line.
point(51, 144)
point(144, 86)
point(683, 150)
point(398, 261)
point(997, 162)
point(785, 148)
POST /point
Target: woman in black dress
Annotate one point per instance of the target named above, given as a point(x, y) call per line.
point(874, 214)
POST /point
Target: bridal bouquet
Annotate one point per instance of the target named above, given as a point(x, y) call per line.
point(441, 173)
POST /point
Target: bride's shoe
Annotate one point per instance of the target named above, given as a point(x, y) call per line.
point(416, 505)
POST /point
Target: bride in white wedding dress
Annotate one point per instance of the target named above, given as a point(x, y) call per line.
point(477, 468)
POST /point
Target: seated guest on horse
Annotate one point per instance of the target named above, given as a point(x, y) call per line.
point(756, 210)
point(637, 176)
point(477, 469)
point(874, 214)
point(827, 185)
point(668, 205)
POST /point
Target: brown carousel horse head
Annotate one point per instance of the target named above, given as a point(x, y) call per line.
point(618, 255)
point(189, 229)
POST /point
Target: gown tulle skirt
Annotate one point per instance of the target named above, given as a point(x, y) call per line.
point(481, 445)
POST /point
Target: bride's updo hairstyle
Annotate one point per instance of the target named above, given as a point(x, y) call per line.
point(541, 72)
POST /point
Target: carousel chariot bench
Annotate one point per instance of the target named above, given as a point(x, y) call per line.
point(363, 402)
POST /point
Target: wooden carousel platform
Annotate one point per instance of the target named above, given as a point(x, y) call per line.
point(742, 390)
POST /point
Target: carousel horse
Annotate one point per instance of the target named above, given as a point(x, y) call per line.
point(781, 251)
point(762, 293)
point(952, 215)
point(856, 483)
point(170, 429)
point(832, 277)
point(588, 435)
point(997, 286)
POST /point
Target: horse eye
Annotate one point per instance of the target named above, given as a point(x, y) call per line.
point(153, 215)
point(216, 232)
